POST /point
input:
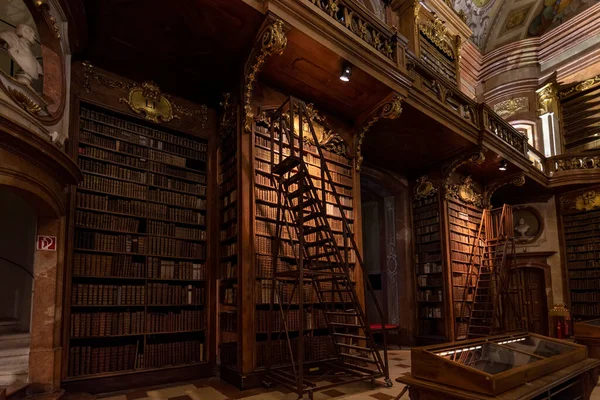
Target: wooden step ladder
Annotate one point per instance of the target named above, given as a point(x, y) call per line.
point(321, 265)
point(492, 257)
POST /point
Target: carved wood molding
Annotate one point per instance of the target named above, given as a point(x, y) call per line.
point(516, 179)
point(424, 188)
point(272, 40)
point(228, 123)
point(145, 99)
point(389, 109)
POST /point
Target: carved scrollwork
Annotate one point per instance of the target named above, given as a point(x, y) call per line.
point(582, 86)
point(273, 41)
point(517, 180)
point(90, 74)
point(547, 96)
point(437, 33)
point(391, 109)
point(510, 107)
point(465, 192)
point(424, 188)
point(228, 124)
point(149, 102)
point(589, 200)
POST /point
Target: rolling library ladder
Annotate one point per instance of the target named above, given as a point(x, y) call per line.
point(321, 266)
point(487, 303)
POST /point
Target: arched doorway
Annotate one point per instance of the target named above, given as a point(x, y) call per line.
point(385, 233)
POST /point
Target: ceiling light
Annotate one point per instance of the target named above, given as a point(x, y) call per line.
point(346, 73)
point(503, 165)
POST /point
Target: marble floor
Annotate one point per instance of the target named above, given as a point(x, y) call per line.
point(215, 389)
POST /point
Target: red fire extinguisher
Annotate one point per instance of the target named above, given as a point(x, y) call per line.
point(567, 326)
point(559, 332)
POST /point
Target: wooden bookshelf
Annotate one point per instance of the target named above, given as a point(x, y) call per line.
point(429, 269)
point(581, 231)
point(463, 225)
point(138, 290)
point(318, 345)
point(229, 350)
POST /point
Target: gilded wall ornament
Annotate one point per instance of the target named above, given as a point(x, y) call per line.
point(89, 75)
point(326, 137)
point(581, 87)
point(465, 192)
point(424, 188)
point(438, 34)
point(388, 110)
point(510, 107)
point(475, 158)
point(44, 8)
point(547, 96)
point(272, 42)
point(588, 201)
point(149, 102)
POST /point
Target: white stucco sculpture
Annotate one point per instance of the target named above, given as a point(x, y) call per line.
point(18, 44)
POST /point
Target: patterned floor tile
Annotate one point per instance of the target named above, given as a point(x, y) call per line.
point(206, 393)
point(381, 396)
point(170, 392)
point(333, 393)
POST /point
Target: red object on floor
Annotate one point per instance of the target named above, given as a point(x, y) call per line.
point(377, 327)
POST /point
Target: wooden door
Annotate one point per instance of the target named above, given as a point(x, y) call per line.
point(528, 296)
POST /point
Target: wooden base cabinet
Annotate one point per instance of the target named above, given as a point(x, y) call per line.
point(587, 333)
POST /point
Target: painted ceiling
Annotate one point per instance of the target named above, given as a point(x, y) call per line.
point(499, 22)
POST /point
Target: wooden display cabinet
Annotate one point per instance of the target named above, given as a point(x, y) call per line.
point(495, 364)
point(587, 333)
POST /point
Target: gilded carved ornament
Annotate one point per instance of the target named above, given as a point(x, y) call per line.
point(583, 86)
point(517, 180)
point(465, 191)
point(587, 201)
point(547, 96)
point(392, 109)
point(227, 126)
point(273, 42)
point(146, 100)
point(424, 188)
point(438, 34)
point(510, 107)
point(44, 8)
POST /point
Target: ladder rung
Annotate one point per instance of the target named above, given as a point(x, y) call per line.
point(286, 165)
point(318, 242)
point(359, 358)
point(313, 229)
point(346, 325)
point(311, 216)
point(351, 346)
point(358, 337)
point(326, 254)
point(480, 326)
point(304, 204)
point(293, 179)
point(341, 313)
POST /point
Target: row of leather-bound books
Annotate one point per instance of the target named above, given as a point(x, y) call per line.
point(315, 348)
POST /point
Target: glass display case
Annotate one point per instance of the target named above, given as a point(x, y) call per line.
point(494, 364)
point(587, 333)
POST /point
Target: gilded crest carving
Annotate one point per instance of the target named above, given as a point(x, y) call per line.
point(272, 42)
point(583, 86)
point(424, 188)
point(228, 124)
point(327, 138)
point(437, 33)
point(510, 107)
point(587, 201)
point(149, 102)
point(465, 192)
point(392, 109)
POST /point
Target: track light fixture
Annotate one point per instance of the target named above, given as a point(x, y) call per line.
point(346, 73)
point(503, 165)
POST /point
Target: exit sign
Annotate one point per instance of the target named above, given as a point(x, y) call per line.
point(46, 243)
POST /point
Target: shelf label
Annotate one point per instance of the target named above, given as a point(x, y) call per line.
point(46, 243)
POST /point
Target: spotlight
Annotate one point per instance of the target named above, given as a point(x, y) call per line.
point(503, 165)
point(346, 73)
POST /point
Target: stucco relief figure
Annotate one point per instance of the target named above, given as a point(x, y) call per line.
point(18, 44)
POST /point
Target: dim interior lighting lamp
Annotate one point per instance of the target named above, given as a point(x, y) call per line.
point(346, 73)
point(503, 165)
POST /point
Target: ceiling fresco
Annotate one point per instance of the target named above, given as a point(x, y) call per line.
point(499, 22)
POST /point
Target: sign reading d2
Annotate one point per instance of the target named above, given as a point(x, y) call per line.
point(46, 243)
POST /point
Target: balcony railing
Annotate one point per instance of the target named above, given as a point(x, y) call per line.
point(497, 126)
point(362, 23)
point(573, 162)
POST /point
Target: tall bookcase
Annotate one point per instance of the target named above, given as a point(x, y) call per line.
point(229, 336)
point(429, 269)
point(318, 342)
point(463, 225)
point(581, 234)
point(138, 289)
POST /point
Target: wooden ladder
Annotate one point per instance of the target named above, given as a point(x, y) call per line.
point(492, 257)
point(321, 263)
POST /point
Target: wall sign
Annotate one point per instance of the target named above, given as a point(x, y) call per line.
point(46, 243)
